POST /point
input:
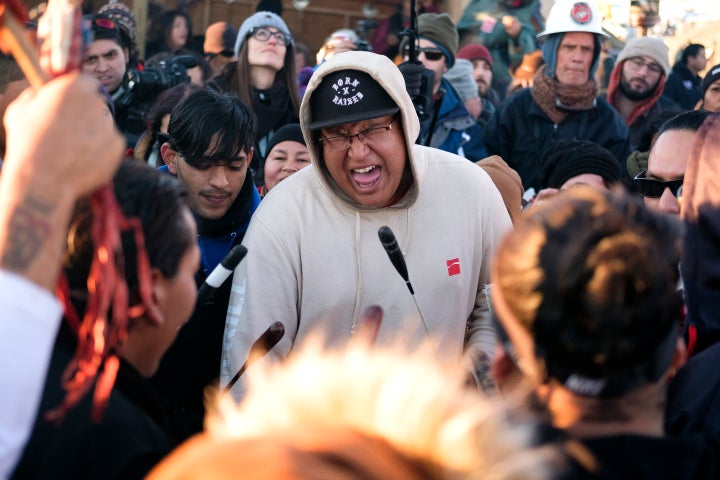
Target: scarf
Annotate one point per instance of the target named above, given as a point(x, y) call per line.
point(557, 100)
point(272, 107)
point(642, 106)
point(236, 216)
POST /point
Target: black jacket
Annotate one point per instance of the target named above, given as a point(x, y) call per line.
point(193, 361)
point(694, 395)
point(635, 457)
point(683, 87)
point(132, 437)
point(520, 132)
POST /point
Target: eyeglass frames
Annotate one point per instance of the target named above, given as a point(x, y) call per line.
point(652, 188)
point(338, 143)
point(263, 34)
point(639, 62)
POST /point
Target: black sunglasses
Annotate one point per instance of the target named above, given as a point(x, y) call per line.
point(651, 188)
point(432, 54)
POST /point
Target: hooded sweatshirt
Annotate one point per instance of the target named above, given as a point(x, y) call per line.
point(315, 261)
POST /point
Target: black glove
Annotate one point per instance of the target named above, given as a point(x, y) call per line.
point(412, 74)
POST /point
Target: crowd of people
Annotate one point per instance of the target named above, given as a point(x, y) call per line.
point(458, 256)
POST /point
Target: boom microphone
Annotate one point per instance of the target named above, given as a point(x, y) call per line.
point(262, 345)
point(389, 243)
point(221, 273)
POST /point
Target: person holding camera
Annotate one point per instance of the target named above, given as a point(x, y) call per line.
point(107, 58)
point(447, 124)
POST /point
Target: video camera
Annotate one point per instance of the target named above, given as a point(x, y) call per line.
point(141, 86)
point(363, 29)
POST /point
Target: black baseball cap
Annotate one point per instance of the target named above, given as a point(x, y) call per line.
point(347, 96)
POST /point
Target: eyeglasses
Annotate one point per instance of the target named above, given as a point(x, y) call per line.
point(432, 54)
point(263, 34)
point(338, 143)
point(651, 188)
point(639, 62)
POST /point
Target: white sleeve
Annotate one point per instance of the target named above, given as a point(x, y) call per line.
point(29, 319)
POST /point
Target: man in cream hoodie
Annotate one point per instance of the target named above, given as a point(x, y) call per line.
point(314, 258)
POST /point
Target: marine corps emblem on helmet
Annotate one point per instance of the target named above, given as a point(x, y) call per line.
point(581, 13)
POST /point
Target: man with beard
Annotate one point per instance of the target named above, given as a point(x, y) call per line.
point(637, 82)
point(482, 63)
point(562, 102)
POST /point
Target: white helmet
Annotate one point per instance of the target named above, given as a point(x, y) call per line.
point(573, 16)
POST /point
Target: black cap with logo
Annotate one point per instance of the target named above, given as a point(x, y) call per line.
point(348, 96)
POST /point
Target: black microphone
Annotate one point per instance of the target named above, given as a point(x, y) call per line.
point(262, 345)
point(389, 243)
point(221, 273)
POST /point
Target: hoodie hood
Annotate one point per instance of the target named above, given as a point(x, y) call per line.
point(386, 74)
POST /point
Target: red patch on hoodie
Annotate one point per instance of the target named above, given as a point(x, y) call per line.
point(453, 267)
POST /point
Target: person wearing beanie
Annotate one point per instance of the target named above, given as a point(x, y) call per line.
point(107, 59)
point(287, 154)
point(637, 82)
point(562, 102)
point(482, 63)
point(123, 16)
point(264, 78)
point(683, 85)
point(447, 124)
point(317, 257)
point(219, 46)
point(570, 162)
point(711, 90)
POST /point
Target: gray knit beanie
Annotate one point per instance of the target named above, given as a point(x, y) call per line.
point(258, 20)
point(651, 47)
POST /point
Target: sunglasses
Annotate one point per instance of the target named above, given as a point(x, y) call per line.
point(432, 54)
point(651, 188)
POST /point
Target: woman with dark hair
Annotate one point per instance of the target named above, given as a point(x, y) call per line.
point(264, 79)
point(169, 32)
point(129, 433)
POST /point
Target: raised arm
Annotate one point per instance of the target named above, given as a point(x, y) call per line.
point(62, 144)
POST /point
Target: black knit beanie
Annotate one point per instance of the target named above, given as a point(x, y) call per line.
point(569, 158)
point(290, 131)
point(712, 75)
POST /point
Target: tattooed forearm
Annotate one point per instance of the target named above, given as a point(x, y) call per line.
point(27, 230)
